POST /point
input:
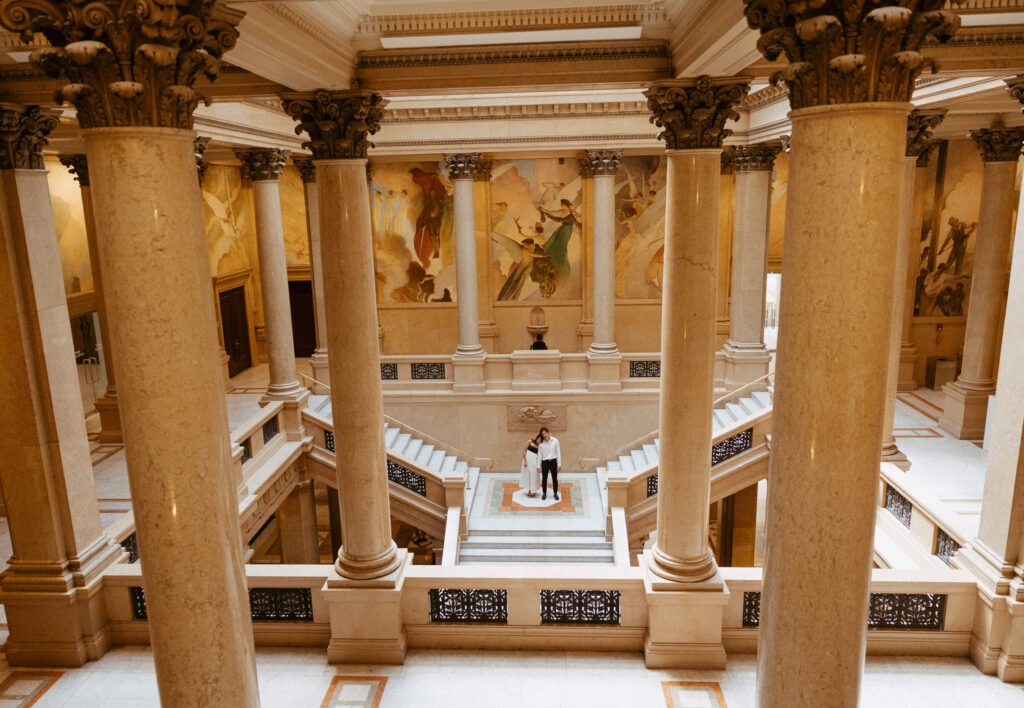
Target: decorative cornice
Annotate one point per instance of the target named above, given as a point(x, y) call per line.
point(262, 164)
point(310, 29)
point(510, 54)
point(999, 144)
point(521, 140)
point(127, 63)
point(604, 162)
point(693, 112)
point(339, 123)
point(465, 165)
point(540, 111)
point(769, 94)
point(848, 51)
point(24, 131)
point(78, 166)
point(920, 124)
point(201, 143)
point(755, 158)
point(306, 169)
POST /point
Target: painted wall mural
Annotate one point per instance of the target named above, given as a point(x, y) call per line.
point(536, 230)
point(69, 220)
point(293, 217)
point(777, 213)
point(412, 214)
point(230, 220)
point(640, 227)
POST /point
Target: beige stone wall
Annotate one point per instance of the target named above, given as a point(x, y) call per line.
point(69, 220)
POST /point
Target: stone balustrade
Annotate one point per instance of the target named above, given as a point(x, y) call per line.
point(929, 526)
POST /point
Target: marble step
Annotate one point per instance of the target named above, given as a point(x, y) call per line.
point(534, 555)
point(530, 533)
point(596, 543)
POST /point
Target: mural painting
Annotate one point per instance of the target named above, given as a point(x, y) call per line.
point(229, 219)
point(69, 220)
point(293, 217)
point(640, 227)
point(412, 213)
point(536, 230)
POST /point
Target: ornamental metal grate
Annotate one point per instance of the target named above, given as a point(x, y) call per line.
point(281, 604)
point(730, 447)
point(131, 544)
point(270, 429)
point(751, 609)
point(945, 546)
point(428, 370)
point(644, 369)
point(909, 611)
point(246, 450)
point(447, 605)
point(389, 372)
point(652, 485)
point(138, 596)
point(579, 606)
point(329, 440)
point(407, 478)
point(898, 505)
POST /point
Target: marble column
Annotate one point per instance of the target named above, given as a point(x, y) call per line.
point(262, 168)
point(296, 526)
point(603, 356)
point(321, 371)
point(966, 399)
point(693, 113)
point(369, 567)
point(746, 356)
point(106, 403)
point(468, 362)
point(52, 589)
point(919, 145)
point(845, 171)
point(152, 252)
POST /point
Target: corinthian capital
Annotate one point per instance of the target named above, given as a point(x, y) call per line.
point(755, 158)
point(127, 63)
point(339, 123)
point(604, 162)
point(849, 51)
point(262, 165)
point(920, 124)
point(78, 166)
point(693, 112)
point(24, 130)
point(463, 165)
point(306, 168)
point(999, 144)
point(201, 143)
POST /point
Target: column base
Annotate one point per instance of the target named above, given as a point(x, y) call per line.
point(110, 419)
point(604, 367)
point(908, 360)
point(893, 455)
point(686, 572)
point(965, 409)
point(684, 621)
point(744, 362)
point(997, 636)
point(294, 400)
point(366, 618)
point(321, 372)
point(468, 369)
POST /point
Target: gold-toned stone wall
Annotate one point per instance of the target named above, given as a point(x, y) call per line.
point(69, 219)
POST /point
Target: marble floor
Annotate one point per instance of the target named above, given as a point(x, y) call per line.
point(301, 678)
point(497, 506)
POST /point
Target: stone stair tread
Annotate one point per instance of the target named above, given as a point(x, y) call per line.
point(423, 456)
point(412, 450)
point(390, 434)
point(461, 466)
point(541, 561)
point(401, 442)
point(551, 542)
point(651, 452)
point(534, 554)
point(436, 459)
point(614, 466)
point(627, 463)
point(735, 411)
point(592, 533)
point(748, 407)
point(639, 459)
point(448, 465)
point(718, 419)
point(763, 398)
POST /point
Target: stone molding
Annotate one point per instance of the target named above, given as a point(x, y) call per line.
point(763, 97)
point(693, 112)
point(307, 169)
point(78, 166)
point(338, 123)
point(465, 165)
point(24, 131)
point(920, 124)
point(201, 144)
point(473, 142)
point(1015, 87)
point(603, 162)
point(447, 114)
point(755, 158)
point(127, 64)
point(999, 144)
point(849, 52)
point(503, 54)
point(262, 164)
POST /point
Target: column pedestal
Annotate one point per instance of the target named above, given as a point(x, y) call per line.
point(965, 410)
point(744, 362)
point(468, 370)
point(366, 617)
point(909, 354)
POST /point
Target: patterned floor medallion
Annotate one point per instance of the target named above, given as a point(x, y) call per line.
point(508, 503)
point(23, 688)
point(693, 694)
point(355, 692)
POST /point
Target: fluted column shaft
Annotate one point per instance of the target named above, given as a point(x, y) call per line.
point(321, 371)
point(465, 267)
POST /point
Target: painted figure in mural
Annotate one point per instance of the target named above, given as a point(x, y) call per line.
point(427, 240)
point(940, 294)
point(557, 245)
point(530, 259)
point(656, 266)
point(958, 234)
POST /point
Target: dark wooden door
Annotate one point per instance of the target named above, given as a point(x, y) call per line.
point(300, 292)
point(235, 323)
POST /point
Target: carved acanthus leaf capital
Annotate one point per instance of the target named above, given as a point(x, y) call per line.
point(999, 144)
point(787, 142)
point(201, 144)
point(849, 51)
point(263, 164)
point(755, 158)
point(920, 124)
point(24, 131)
point(604, 162)
point(338, 123)
point(127, 63)
point(78, 166)
point(726, 165)
point(693, 112)
point(463, 165)
point(306, 168)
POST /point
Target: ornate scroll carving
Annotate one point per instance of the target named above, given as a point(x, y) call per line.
point(306, 168)
point(127, 63)
point(999, 144)
point(201, 164)
point(1015, 87)
point(604, 162)
point(693, 112)
point(262, 165)
point(78, 166)
point(755, 158)
point(849, 51)
point(920, 125)
point(24, 130)
point(339, 123)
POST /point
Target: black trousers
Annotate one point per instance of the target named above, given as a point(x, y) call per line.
point(549, 467)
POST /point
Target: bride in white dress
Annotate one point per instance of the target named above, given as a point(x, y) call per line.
point(529, 474)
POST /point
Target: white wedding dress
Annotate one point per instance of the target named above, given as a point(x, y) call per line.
point(529, 475)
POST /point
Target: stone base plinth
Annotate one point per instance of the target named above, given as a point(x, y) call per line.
point(291, 413)
point(536, 370)
point(366, 618)
point(468, 370)
point(110, 420)
point(997, 636)
point(604, 370)
point(908, 360)
point(322, 374)
point(965, 410)
point(684, 621)
point(744, 363)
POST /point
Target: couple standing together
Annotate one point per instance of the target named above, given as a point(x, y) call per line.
point(542, 456)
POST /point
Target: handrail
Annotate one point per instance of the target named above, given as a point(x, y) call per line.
point(732, 393)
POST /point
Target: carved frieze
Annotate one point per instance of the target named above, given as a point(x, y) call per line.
point(693, 112)
point(755, 158)
point(849, 51)
point(127, 63)
point(920, 124)
point(307, 169)
point(338, 123)
point(24, 131)
point(463, 165)
point(999, 144)
point(533, 417)
point(262, 165)
point(201, 144)
point(604, 162)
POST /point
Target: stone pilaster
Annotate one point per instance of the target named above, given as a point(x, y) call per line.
point(603, 356)
point(321, 370)
point(850, 70)
point(130, 69)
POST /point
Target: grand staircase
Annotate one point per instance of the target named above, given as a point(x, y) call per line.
point(404, 443)
point(528, 547)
